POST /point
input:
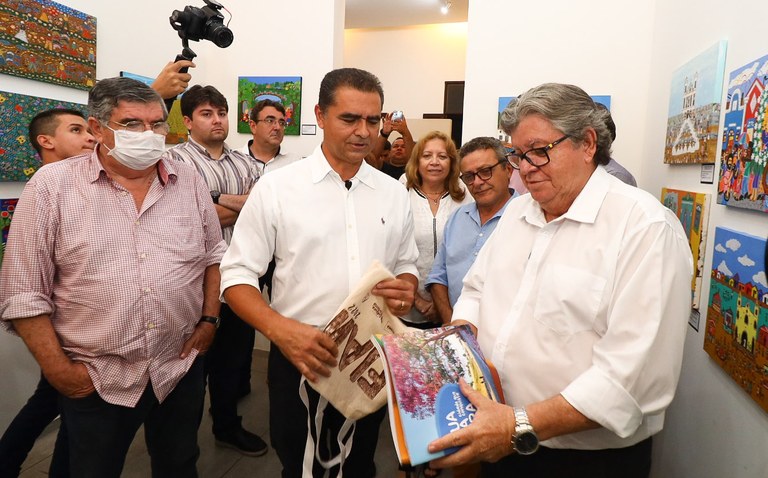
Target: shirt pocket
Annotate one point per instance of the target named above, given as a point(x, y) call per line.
point(182, 240)
point(568, 299)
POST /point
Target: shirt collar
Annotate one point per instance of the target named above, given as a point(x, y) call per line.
point(250, 153)
point(320, 168)
point(474, 213)
point(225, 152)
point(584, 208)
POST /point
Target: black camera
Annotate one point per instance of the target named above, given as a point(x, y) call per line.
point(205, 23)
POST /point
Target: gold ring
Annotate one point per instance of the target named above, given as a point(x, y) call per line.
point(402, 304)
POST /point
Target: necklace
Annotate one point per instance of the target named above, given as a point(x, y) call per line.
point(434, 197)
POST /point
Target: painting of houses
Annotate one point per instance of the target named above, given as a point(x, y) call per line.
point(283, 89)
point(47, 41)
point(742, 182)
point(693, 211)
point(736, 336)
point(694, 108)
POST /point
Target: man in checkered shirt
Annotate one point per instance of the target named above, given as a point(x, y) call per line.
point(111, 279)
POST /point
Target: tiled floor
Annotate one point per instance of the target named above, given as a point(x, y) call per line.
point(217, 462)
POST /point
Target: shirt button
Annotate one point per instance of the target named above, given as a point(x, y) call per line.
point(124, 193)
point(143, 255)
point(147, 290)
point(475, 253)
point(150, 325)
point(481, 234)
point(137, 223)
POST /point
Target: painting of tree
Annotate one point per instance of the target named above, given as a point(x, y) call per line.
point(422, 363)
point(283, 89)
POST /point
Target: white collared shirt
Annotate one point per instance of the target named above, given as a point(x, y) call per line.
point(323, 236)
point(592, 305)
point(279, 161)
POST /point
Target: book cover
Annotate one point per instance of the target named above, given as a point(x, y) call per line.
point(422, 369)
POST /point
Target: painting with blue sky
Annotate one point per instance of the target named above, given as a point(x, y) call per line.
point(737, 317)
point(694, 108)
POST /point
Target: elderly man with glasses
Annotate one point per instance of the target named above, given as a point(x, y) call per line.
point(267, 123)
point(580, 298)
point(486, 172)
point(110, 275)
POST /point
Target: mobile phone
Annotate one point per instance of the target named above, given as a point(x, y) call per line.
point(396, 116)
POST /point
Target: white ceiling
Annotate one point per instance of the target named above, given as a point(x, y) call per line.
point(399, 13)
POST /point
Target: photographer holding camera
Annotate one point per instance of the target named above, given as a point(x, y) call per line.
point(401, 147)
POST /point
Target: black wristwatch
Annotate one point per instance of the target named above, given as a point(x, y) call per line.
point(381, 132)
point(525, 441)
point(216, 321)
point(215, 196)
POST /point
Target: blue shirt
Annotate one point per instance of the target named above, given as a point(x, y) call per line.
point(463, 238)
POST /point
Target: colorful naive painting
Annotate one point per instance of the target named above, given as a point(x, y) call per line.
point(743, 181)
point(178, 133)
point(18, 160)
point(7, 206)
point(283, 89)
point(693, 210)
point(694, 108)
point(736, 335)
point(47, 41)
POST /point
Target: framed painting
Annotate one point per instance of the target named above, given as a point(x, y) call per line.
point(283, 89)
point(693, 211)
point(7, 206)
point(736, 334)
point(178, 133)
point(47, 41)
point(743, 181)
point(18, 160)
point(694, 108)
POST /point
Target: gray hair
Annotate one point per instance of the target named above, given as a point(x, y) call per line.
point(104, 97)
point(570, 110)
point(482, 143)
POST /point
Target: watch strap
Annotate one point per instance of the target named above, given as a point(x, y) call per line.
point(524, 433)
point(211, 320)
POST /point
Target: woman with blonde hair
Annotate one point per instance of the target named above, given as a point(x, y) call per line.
point(432, 179)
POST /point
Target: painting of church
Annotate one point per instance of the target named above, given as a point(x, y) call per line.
point(694, 108)
point(736, 336)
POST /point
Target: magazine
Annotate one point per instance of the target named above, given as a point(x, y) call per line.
point(422, 369)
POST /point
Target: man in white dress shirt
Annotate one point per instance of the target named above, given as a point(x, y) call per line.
point(580, 298)
point(324, 219)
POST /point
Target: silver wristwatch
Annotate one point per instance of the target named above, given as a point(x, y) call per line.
point(525, 441)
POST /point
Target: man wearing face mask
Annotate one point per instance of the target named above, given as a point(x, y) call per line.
point(230, 175)
point(111, 279)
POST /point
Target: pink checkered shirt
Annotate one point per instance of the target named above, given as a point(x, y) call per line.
point(124, 290)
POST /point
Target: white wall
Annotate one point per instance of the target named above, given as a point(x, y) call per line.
point(413, 63)
point(629, 51)
point(713, 428)
point(297, 38)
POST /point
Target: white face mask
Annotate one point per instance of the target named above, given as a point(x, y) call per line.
point(137, 151)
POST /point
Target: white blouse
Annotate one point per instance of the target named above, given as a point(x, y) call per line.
point(428, 230)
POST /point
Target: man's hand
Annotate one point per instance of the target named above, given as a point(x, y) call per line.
point(170, 82)
point(398, 293)
point(386, 124)
point(488, 438)
point(310, 350)
point(401, 126)
point(71, 379)
point(427, 308)
point(200, 340)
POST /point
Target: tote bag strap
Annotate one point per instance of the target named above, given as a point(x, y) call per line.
point(312, 447)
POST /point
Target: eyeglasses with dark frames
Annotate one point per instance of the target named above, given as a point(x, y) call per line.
point(272, 121)
point(484, 173)
point(536, 157)
point(136, 126)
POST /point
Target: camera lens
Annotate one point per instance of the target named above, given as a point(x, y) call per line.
point(220, 35)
